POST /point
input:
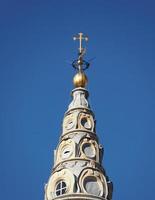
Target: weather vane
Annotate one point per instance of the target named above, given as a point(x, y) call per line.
point(79, 63)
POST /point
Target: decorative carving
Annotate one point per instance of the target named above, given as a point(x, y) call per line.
point(77, 136)
point(93, 182)
point(110, 189)
point(65, 150)
point(64, 179)
point(85, 121)
point(79, 99)
point(78, 119)
point(101, 152)
point(89, 149)
point(70, 122)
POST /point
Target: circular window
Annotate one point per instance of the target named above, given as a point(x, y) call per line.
point(86, 123)
point(92, 186)
point(89, 150)
point(61, 188)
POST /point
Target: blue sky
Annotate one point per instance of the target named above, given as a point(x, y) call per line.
point(36, 47)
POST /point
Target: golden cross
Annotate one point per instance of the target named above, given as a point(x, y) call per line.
point(80, 37)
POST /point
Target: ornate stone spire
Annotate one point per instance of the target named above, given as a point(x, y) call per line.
point(78, 173)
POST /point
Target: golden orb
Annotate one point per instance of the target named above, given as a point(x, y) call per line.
point(80, 80)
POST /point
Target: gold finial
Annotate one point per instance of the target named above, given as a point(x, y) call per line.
point(80, 80)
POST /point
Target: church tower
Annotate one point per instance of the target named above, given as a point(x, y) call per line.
point(78, 173)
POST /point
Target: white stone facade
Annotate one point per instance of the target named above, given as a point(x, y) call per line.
point(77, 172)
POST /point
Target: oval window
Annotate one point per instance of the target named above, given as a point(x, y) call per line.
point(89, 150)
point(86, 123)
point(92, 186)
point(66, 152)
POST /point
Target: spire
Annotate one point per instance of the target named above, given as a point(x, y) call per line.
point(78, 172)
